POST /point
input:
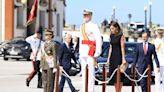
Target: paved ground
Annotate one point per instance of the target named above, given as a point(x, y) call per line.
point(13, 74)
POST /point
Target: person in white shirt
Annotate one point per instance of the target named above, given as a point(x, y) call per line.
point(76, 47)
point(89, 48)
point(159, 44)
point(36, 44)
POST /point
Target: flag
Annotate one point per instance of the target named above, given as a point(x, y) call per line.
point(33, 12)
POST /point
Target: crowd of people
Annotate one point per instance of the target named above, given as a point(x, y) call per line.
point(87, 48)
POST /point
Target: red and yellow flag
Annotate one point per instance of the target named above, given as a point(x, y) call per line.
point(33, 12)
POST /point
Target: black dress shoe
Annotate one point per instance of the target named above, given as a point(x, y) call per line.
point(39, 87)
point(76, 90)
point(27, 83)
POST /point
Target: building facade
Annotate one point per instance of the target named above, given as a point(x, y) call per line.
point(14, 14)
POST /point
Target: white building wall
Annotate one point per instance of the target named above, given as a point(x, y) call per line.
point(57, 18)
point(20, 30)
point(60, 15)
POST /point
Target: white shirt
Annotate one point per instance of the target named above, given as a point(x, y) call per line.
point(159, 43)
point(93, 34)
point(34, 43)
point(67, 44)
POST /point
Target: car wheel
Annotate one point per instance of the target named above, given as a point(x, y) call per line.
point(28, 59)
point(4, 58)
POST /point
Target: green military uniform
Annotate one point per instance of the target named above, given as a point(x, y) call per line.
point(48, 76)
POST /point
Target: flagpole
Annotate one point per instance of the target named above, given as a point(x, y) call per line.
point(50, 14)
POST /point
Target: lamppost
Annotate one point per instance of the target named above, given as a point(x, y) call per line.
point(150, 21)
point(114, 13)
point(145, 9)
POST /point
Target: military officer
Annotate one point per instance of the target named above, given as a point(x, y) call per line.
point(90, 47)
point(159, 44)
point(48, 62)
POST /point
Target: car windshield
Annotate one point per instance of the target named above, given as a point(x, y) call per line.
point(17, 42)
point(140, 26)
point(129, 50)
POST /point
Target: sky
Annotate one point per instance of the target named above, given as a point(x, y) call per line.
point(102, 9)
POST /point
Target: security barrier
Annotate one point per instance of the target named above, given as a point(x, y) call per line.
point(104, 82)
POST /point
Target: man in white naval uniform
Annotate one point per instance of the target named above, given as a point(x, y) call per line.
point(159, 44)
point(90, 48)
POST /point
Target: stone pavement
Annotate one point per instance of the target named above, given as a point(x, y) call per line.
point(13, 74)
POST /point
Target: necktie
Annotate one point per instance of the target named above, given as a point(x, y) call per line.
point(145, 48)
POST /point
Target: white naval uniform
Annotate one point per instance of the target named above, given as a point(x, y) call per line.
point(34, 43)
point(160, 55)
point(93, 34)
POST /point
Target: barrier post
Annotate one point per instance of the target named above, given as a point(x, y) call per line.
point(133, 76)
point(86, 78)
point(118, 80)
point(149, 79)
point(57, 79)
point(104, 78)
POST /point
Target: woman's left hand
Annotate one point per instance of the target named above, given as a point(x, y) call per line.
point(123, 61)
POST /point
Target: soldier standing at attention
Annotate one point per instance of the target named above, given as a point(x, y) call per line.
point(49, 62)
point(90, 48)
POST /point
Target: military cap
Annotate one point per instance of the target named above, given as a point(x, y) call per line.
point(160, 29)
point(87, 12)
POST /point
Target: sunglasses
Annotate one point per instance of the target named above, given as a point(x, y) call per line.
point(48, 34)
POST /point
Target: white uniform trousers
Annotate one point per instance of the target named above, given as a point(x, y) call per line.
point(158, 77)
point(90, 61)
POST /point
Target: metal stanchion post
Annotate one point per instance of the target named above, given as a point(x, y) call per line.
point(86, 79)
point(148, 79)
point(133, 76)
point(118, 80)
point(57, 79)
point(104, 78)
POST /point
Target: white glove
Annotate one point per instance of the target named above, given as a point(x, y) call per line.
point(54, 70)
point(41, 70)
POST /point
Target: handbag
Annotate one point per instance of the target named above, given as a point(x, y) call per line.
point(123, 67)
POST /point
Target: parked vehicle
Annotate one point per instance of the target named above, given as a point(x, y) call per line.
point(17, 48)
point(129, 55)
point(2, 45)
point(137, 28)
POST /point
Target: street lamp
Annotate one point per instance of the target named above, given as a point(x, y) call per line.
point(145, 9)
point(114, 13)
point(150, 21)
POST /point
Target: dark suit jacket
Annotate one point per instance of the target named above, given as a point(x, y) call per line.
point(142, 60)
point(65, 56)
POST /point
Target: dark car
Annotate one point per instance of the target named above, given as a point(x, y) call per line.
point(2, 45)
point(129, 55)
point(17, 48)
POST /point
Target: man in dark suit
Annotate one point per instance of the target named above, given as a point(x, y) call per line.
point(65, 56)
point(143, 58)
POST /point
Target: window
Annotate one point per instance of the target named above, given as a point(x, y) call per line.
point(20, 17)
point(42, 19)
point(58, 24)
